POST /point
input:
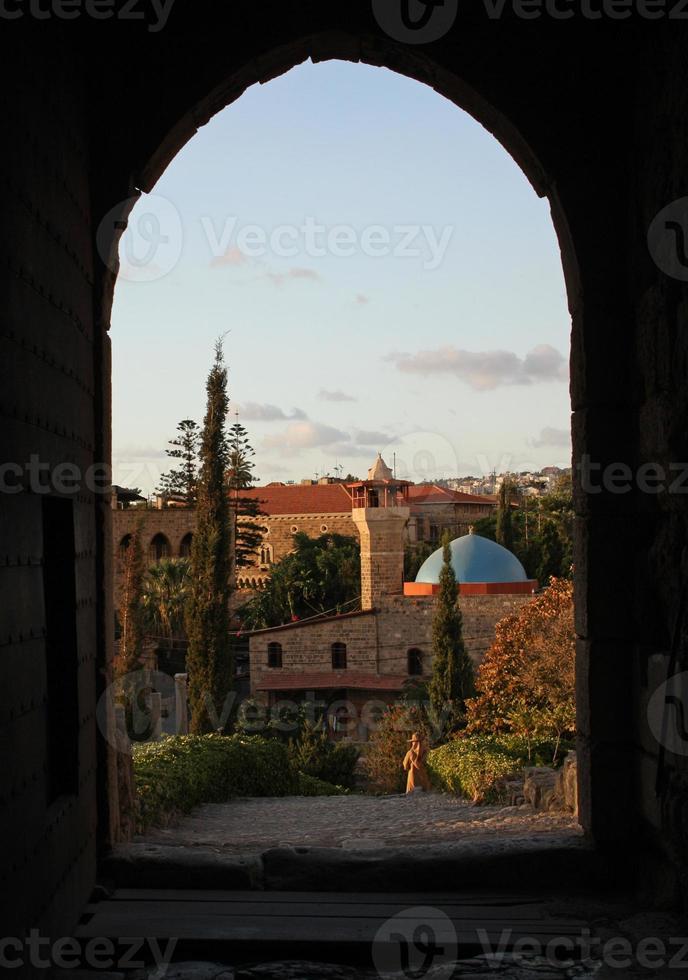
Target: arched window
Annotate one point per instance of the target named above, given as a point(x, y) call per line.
point(338, 656)
point(158, 548)
point(266, 554)
point(124, 546)
point(274, 654)
point(185, 546)
point(415, 662)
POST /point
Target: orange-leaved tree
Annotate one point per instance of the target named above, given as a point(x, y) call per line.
point(526, 682)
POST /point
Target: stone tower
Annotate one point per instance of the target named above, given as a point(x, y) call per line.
point(380, 512)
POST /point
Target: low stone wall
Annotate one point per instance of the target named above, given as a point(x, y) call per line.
point(546, 789)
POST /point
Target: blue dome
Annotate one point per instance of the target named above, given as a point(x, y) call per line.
point(474, 559)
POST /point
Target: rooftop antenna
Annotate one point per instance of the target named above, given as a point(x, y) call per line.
point(394, 464)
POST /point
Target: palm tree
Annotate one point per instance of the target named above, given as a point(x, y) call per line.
point(165, 595)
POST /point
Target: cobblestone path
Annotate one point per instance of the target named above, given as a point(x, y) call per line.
point(358, 821)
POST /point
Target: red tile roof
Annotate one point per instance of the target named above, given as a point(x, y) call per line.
point(426, 493)
point(326, 498)
point(277, 680)
point(334, 498)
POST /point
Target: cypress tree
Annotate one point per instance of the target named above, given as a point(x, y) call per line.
point(207, 621)
point(453, 675)
point(505, 530)
point(551, 548)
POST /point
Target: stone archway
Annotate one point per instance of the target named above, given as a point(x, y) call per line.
point(386, 53)
point(86, 139)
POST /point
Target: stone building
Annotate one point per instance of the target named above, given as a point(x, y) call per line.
point(355, 662)
point(312, 508)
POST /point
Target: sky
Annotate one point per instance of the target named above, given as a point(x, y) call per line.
point(383, 274)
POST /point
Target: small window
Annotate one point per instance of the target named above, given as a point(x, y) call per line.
point(274, 654)
point(185, 546)
point(294, 528)
point(124, 546)
point(339, 656)
point(159, 548)
point(323, 528)
point(415, 662)
point(266, 554)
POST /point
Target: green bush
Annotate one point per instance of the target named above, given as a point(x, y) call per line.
point(178, 773)
point(472, 767)
point(310, 786)
point(315, 755)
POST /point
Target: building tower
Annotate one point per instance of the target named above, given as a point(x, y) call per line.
point(380, 512)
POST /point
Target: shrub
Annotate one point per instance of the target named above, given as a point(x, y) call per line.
point(315, 755)
point(310, 786)
point(471, 767)
point(181, 772)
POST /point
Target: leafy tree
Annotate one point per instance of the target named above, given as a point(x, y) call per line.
point(131, 610)
point(207, 621)
point(452, 680)
point(557, 505)
point(182, 480)
point(248, 532)
point(504, 531)
point(533, 541)
point(526, 681)
point(320, 575)
point(414, 556)
point(166, 591)
point(551, 552)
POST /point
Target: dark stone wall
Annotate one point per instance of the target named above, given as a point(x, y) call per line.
point(594, 112)
point(51, 614)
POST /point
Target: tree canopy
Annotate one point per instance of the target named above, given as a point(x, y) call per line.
point(320, 575)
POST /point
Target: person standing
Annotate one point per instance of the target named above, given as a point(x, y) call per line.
point(414, 765)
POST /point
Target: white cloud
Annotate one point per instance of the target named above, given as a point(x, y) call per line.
point(486, 370)
point(335, 396)
point(373, 438)
point(560, 438)
point(255, 412)
point(305, 435)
